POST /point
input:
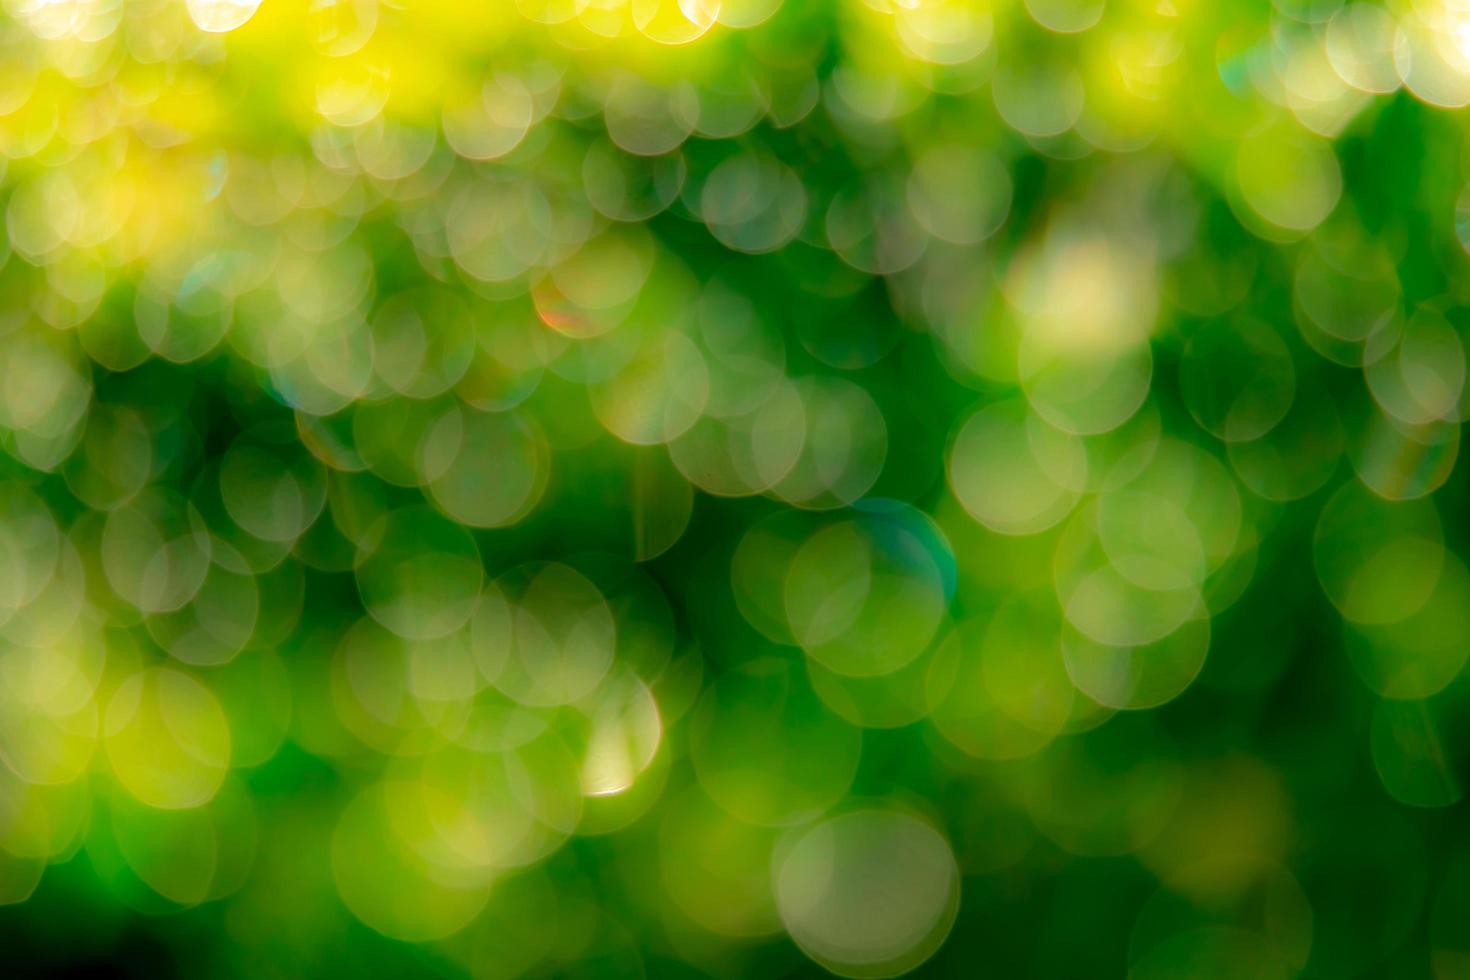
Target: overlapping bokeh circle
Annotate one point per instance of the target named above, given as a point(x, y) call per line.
point(733, 487)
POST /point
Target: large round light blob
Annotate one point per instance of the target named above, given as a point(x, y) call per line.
point(871, 893)
point(865, 596)
point(221, 16)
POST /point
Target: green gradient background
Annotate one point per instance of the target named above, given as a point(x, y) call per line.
point(1090, 380)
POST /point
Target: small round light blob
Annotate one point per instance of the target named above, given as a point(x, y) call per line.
point(418, 573)
point(1420, 655)
point(335, 368)
point(871, 225)
point(1422, 379)
point(563, 635)
point(498, 468)
point(497, 230)
point(1066, 16)
point(1379, 562)
point(156, 550)
point(1347, 297)
point(1150, 539)
point(626, 187)
point(272, 486)
point(1360, 45)
point(748, 454)
point(1020, 666)
point(1291, 179)
point(846, 444)
point(1128, 568)
point(342, 27)
point(1399, 461)
point(658, 395)
point(423, 340)
point(167, 739)
point(593, 289)
point(1014, 472)
point(369, 686)
point(218, 621)
point(1085, 389)
point(753, 202)
point(625, 737)
point(960, 194)
point(386, 884)
point(864, 596)
point(45, 386)
point(491, 121)
point(674, 21)
point(758, 571)
point(1137, 677)
point(1429, 56)
point(944, 32)
point(478, 811)
point(871, 893)
point(649, 119)
point(408, 443)
point(962, 707)
point(221, 16)
point(730, 104)
point(1085, 306)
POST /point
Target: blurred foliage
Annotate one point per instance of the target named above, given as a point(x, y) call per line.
point(729, 488)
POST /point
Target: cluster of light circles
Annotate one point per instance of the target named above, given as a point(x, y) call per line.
point(573, 456)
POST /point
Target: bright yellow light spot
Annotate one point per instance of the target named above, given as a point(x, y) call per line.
point(221, 16)
point(167, 738)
